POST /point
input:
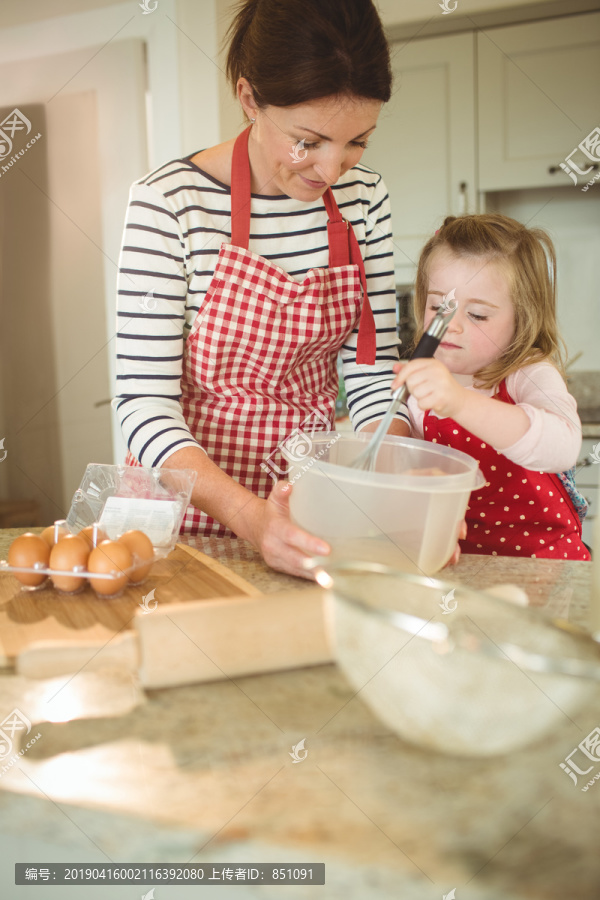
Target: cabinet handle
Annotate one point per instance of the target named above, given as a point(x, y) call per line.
point(552, 170)
point(462, 198)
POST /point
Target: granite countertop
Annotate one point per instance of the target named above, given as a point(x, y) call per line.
point(591, 430)
point(204, 773)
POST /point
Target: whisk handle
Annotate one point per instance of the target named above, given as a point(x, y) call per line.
point(438, 326)
point(426, 346)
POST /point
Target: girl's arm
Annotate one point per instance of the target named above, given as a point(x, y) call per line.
point(433, 387)
point(541, 431)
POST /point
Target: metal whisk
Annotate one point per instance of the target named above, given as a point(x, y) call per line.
point(425, 348)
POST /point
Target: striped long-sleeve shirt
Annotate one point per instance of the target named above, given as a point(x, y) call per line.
point(178, 217)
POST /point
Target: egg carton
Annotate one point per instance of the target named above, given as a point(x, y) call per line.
point(81, 571)
point(121, 498)
point(77, 572)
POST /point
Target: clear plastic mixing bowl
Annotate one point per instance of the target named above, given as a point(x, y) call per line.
point(393, 515)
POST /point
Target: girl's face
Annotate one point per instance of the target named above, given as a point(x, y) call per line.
point(334, 132)
point(484, 323)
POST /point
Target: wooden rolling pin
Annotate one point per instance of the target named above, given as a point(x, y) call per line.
point(208, 640)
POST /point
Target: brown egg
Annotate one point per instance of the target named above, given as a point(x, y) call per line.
point(110, 556)
point(87, 534)
point(68, 553)
point(48, 534)
point(26, 551)
point(140, 547)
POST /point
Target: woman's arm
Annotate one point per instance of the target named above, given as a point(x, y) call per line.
point(399, 427)
point(265, 524)
point(151, 316)
point(368, 387)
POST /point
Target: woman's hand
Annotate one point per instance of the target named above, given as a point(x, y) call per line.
point(282, 544)
point(432, 386)
point(264, 523)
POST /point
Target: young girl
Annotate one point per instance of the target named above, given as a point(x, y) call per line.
point(495, 389)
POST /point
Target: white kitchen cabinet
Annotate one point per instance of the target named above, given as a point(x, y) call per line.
point(424, 145)
point(537, 100)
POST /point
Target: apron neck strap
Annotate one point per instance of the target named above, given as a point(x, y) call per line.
point(240, 191)
point(502, 393)
point(343, 246)
point(337, 233)
point(343, 251)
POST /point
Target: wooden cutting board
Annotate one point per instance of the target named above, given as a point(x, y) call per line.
point(27, 617)
point(208, 624)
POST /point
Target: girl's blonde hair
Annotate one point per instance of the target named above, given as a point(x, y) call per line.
point(529, 259)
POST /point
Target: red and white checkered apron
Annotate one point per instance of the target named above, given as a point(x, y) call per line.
point(518, 512)
point(260, 359)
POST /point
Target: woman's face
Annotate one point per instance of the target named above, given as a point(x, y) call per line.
point(302, 150)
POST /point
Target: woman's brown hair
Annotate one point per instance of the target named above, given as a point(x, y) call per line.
point(529, 258)
point(294, 51)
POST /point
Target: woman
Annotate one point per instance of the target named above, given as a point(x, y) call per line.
point(240, 282)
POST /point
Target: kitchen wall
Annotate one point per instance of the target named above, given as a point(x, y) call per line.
point(230, 115)
point(573, 223)
point(394, 12)
point(182, 57)
point(129, 122)
point(15, 12)
point(199, 73)
point(52, 346)
point(27, 360)
point(76, 285)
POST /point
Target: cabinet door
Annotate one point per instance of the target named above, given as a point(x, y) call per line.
point(424, 145)
point(538, 100)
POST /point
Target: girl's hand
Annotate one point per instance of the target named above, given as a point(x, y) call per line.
point(461, 536)
point(432, 386)
point(282, 544)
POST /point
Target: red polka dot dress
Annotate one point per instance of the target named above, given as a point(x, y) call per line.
point(518, 512)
